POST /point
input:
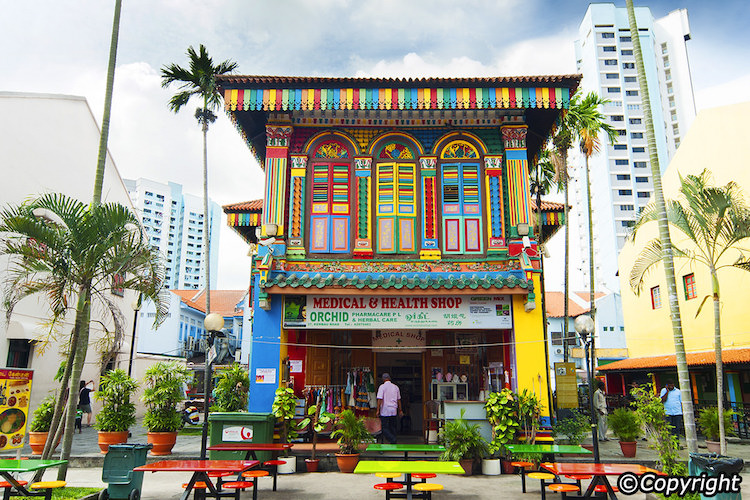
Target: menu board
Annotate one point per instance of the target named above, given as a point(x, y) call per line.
point(15, 393)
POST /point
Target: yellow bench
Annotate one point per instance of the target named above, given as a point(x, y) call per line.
point(48, 486)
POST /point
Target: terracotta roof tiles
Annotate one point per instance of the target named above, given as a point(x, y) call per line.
point(417, 82)
point(222, 301)
point(728, 356)
point(244, 206)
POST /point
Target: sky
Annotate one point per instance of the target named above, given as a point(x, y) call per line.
point(62, 47)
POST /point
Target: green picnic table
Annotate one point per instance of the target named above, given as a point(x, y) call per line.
point(547, 449)
point(408, 467)
point(406, 448)
point(10, 467)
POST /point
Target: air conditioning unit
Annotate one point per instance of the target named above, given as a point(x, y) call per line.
point(558, 350)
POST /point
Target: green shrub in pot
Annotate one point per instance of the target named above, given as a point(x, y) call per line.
point(164, 383)
point(115, 391)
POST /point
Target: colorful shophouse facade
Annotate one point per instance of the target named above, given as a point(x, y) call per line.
point(396, 232)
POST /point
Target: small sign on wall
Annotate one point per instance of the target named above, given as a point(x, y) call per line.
point(236, 433)
point(295, 366)
point(265, 375)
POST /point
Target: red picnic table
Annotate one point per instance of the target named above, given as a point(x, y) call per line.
point(598, 471)
point(250, 448)
point(200, 470)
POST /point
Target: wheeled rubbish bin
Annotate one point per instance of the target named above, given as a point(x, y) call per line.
point(124, 482)
point(713, 464)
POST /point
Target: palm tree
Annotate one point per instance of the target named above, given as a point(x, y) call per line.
point(714, 220)
point(70, 253)
point(200, 80)
point(104, 136)
point(666, 242)
point(577, 123)
point(589, 143)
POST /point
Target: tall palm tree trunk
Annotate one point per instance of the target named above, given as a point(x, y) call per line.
point(666, 242)
point(566, 285)
point(104, 136)
point(83, 316)
point(592, 292)
point(207, 258)
point(719, 361)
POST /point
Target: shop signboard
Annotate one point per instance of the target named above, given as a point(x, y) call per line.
point(567, 385)
point(15, 393)
point(402, 340)
point(409, 312)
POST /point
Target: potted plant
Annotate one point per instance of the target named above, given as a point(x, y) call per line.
point(118, 412)
point(232, 389)
point(283, 408)
point(40, 424)
point(318, 421)
point(463, 443)
point(573, 429)
point(708, 420)
point(626, 425)
point(164, 390)
point(502, 414)
point(350, 433)
point(529, 411)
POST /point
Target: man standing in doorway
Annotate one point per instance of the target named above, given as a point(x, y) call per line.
point(672, 400)
point(389, 407)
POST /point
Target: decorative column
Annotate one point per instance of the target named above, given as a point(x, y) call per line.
point(363, 204)
point(516, 162)
point(430, 229)
point(296, 210)
point(277, 152)
point(493, 179)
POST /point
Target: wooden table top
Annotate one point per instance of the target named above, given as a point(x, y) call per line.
point(546, 448)
point(596, 469)
point(198, 466)
point(406, 447)
point(240, 446)
point(28, 465)
point(408, 467)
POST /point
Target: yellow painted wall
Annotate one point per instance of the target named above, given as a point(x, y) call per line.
point(531, 363)
point(719, 140)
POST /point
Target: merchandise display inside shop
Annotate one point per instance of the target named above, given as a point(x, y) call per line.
point(429, 367)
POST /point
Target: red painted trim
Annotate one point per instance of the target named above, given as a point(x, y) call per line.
point(394, 98)
point(433, 98)
point(472, 97)
point(512, 97)
point(552, 101)
point(317, 98)
point(355, 98)
point(241, 99)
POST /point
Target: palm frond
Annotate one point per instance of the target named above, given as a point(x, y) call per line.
point(650, 255)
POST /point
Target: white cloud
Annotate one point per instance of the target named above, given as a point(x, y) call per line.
point(731, 92)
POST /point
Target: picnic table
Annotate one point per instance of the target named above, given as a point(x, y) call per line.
point(200, 470)
point(251, 448)
point(406, 448)
point(10, 467)
point(599, 471)
point(547, 449)
point(408, 467)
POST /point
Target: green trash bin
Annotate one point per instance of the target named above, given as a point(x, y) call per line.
point(713, 464)
point(117, 471)
point(228, 427)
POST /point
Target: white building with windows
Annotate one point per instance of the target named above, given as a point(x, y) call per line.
point(174, 223)
point(621, 181)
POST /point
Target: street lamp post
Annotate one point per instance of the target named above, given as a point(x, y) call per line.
point(584, 325)
point(136, 305)
point(213, 324)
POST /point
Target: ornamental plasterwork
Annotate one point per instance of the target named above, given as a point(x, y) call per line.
point(402, 267)
point(493, 162)
point(514, 137)
point(278, 135)
point(362, 163)
point(299, 161)
point(428, 162)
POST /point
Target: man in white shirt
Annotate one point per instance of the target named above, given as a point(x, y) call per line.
point(670, 396)
point(600, 405)
point(389, 407)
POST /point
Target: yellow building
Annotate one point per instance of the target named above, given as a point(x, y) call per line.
point(719, 140)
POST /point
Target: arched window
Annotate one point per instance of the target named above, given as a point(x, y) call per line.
point(396, 199)
point(330, 209)
point(461, 198)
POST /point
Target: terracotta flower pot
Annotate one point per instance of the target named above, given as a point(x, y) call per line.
point(37, 440)
point(108, 438)
point(628, 448)
point(312, 465)
point(507, 467)
point(713, 446)
point(162, 442)
point(467, 465)
point(347, 462)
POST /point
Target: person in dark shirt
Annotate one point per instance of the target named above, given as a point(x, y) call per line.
point(84, 399)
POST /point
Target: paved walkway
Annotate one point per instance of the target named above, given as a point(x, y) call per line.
point(86, 471)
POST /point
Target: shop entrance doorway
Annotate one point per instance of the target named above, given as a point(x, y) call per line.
point(405, 369)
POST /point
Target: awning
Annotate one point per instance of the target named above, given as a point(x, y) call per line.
point(702, 358)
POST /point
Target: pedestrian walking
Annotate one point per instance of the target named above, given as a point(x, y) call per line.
point(600, 405)
point(84, 399)
point(389, 407)
point(670, 396)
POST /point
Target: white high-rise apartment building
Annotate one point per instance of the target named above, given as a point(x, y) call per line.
point(621, 181)
point(174, 224)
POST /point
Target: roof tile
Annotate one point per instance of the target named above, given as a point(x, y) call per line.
point(728, 356)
